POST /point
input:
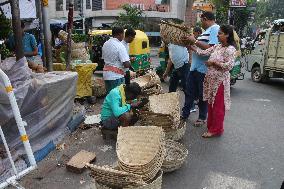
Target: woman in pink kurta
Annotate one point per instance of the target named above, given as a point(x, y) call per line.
point(216, 89)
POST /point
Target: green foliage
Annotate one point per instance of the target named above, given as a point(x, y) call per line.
point(4, 52)
point(5, 26)
point(77, 38)
point(222, 8)
point(131, 17)
point(267, 11)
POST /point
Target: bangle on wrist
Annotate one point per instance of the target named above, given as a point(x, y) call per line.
point(195, 42)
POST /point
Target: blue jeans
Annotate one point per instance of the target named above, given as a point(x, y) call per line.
point(179, 74)
point(193, 91)
point(111, 84)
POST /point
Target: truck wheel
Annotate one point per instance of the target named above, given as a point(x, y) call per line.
point(256, 74)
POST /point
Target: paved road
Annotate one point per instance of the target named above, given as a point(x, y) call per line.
point(250, 154)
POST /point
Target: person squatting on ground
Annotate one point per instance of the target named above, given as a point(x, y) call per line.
point(194, 85)
point(116, 60)
point(116, 111)
point(216, 90)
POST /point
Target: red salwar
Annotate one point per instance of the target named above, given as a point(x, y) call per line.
point(216, 113)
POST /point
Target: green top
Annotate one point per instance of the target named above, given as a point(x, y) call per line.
point(112, 105)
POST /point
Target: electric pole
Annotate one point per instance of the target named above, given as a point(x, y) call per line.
point(69, 30)
point(47, 35)
point(39, 15)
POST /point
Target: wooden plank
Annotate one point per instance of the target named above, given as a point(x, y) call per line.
point(77, 163)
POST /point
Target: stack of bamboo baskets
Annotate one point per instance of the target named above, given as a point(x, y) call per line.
point(141, 153)
point(163, 110)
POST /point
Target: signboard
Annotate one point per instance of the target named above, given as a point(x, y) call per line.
point(27, 9)
point(238, 3)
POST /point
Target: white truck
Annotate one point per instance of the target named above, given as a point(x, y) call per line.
point(265, 58)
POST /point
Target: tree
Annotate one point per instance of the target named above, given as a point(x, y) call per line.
point(5, 26)
point(131, 17)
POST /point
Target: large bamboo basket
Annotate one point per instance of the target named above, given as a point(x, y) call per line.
point(177, 133)
point(173, 33)
point(148, 80)
point(156, 183)
point(115, 178)
point(176, 154)
point(167, 104)
point(140, 150)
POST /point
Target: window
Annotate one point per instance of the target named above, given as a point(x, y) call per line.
point(144, 44)
point(67, 4)
point(97, 5)
point(88, 4)
point(77, 5)
point(59, 5)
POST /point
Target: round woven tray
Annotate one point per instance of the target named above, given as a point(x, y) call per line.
point(176, 134)
point(156, 183)
point(173, 33)
point(176, 154)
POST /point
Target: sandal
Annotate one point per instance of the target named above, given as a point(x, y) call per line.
point(209, 135)
point(199, 123)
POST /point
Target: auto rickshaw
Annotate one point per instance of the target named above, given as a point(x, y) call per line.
point(139, 50)
point(236, 71)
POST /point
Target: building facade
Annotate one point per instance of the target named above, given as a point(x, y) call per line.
point(106, 11)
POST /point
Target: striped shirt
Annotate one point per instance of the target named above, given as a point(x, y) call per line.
point(209, 36)
point(114, 54)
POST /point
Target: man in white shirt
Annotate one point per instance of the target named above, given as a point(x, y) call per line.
point(116, 60)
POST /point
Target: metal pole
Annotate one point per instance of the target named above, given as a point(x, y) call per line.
point(20, 123)
point(39, 15)
point(69, 30)
point(8, 151)
point(47, 35)
point(83, 15)
point(16, 22)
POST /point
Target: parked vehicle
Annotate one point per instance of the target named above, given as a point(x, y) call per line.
point(266, 55)
point(139, 49)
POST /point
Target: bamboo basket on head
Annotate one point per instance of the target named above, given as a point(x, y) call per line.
point(173, 33)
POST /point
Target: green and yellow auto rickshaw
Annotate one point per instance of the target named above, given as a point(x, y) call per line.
point(139, 49)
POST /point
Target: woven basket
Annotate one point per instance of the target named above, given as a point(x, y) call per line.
point(154, 90)
point(176, 134)
point(148, 80)
point(173, 33)
point(168, 104)
point(176, 154)
point(99, 89)
point(155, 184)
point(115, 178)
point(141, 150)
